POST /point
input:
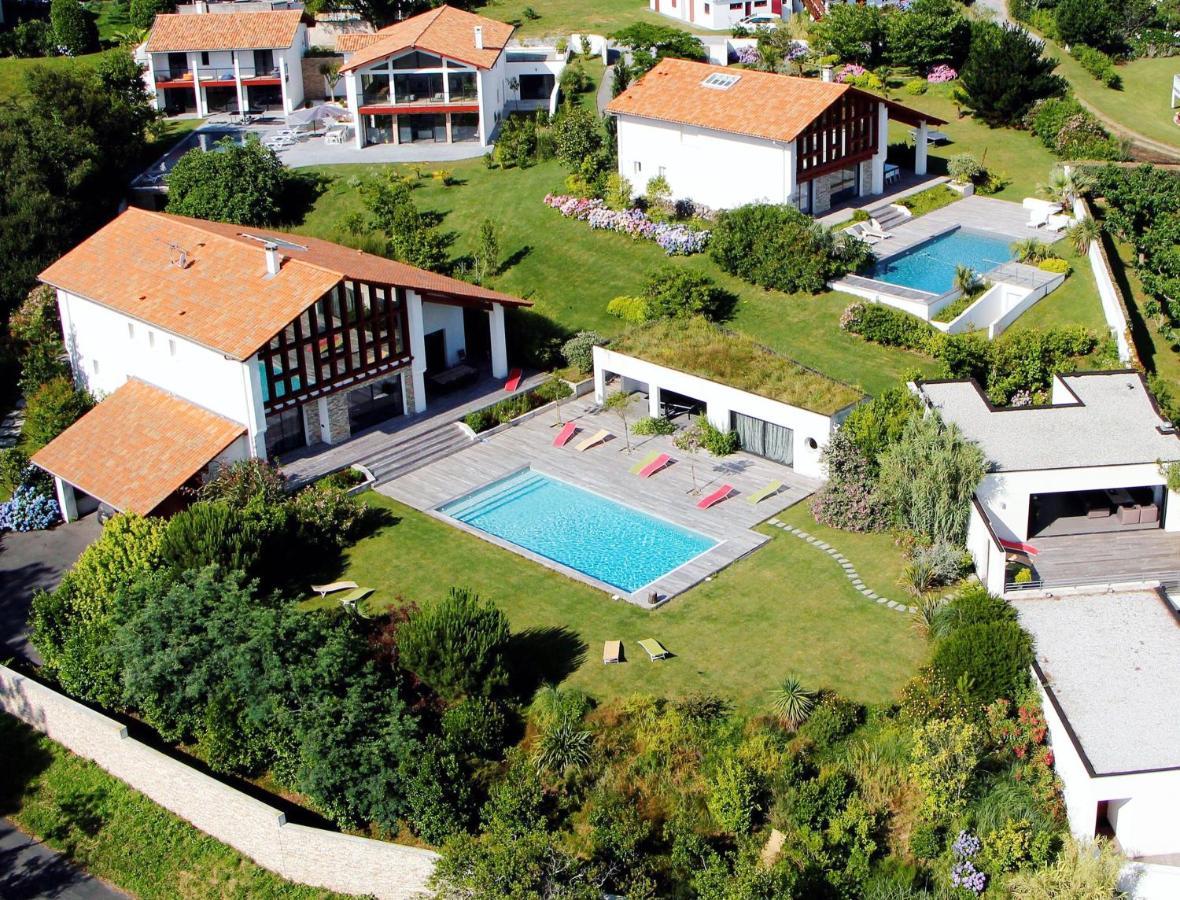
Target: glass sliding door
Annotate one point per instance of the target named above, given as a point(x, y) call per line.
point(765, 439)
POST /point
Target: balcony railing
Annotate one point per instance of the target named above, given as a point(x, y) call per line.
point(212, 73)
point(436, 99)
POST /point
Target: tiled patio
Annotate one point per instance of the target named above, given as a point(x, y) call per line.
point(604, 469)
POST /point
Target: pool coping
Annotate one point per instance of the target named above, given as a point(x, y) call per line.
point(670, 584)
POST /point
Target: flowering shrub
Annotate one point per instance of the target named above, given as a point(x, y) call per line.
point(1026, 737)
point(675, 239)
point(30, 509)
point(963, 873)
point(851, 71)
point(748, 56)
point(941, 74)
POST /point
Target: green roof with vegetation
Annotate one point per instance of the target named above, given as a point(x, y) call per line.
point(701, 348)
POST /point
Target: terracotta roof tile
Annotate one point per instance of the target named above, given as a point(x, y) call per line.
point(223, 298)
point(446, 31)
point(354, 41)
point(151, 441)
point(758, 104)
point(173, 32)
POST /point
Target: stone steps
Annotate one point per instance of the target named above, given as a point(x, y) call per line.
point(401, 457)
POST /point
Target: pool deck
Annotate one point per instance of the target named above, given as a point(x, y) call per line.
point(998, 218)
point(604, 469)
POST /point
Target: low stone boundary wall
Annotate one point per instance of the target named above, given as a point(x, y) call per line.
point(312, 856)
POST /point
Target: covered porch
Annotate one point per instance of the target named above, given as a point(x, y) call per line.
point(1128, 557)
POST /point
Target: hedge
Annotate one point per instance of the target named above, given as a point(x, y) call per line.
point(516, 406)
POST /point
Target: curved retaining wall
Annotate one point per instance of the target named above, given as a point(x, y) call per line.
point(312, 856)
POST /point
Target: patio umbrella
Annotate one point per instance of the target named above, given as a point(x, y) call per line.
point(316, 114)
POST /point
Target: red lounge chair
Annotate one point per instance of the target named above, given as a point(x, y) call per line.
point(716, 497)
point(513, 381)
point(655, 465)
point(563, 437)
point(1018, 547)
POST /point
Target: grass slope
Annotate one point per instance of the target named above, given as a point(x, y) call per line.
point(560, 17)
point(786, 609)
point(571, 272)
point(117, 833)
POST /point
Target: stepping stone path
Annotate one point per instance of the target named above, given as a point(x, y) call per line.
point(849, 569)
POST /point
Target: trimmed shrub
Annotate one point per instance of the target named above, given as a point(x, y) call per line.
point(629, 309)
point(991, 658)
point(1071, 132)
point(578, 351)
point(779, 247)
point(1055, 265)
point(74, 30)
point(832, 720)
point(1097, 64)
point(675, 293)
point(888, 326)
point(974, 605)
point(916, 87)
point(55, 406)
point(716, 441)
point(652, 426)
point(211, 533)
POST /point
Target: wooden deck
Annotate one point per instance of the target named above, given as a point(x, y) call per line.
point(604, 469)
point(1110, 558)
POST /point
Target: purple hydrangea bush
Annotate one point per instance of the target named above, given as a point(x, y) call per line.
point(675, 239)
point(851, 72)
point(30, 509)
point(748, 55)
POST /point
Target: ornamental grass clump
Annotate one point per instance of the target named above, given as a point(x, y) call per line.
point(675, 239)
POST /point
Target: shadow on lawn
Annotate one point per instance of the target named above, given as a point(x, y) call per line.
point(543, 656)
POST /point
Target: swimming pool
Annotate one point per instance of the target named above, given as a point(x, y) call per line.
point(608, 541)
point(930, 266)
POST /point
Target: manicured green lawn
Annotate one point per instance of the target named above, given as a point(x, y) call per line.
point(1074, 303)
point(560, 17)
point(785, 609)
point(571, 272)
point(1141, 104)
point(1023, 160)
point(118, 834)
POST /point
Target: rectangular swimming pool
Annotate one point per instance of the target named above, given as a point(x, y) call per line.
point(608, 541)
point(930, 266)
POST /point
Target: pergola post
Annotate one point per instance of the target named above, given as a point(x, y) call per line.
point(417, 349)
point(653, 400)
point(67, 502)
point(878, 165)
point(499, 342)
point(920, 148)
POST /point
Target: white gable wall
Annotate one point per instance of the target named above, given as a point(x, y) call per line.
point(104, 353)
point(718, 169)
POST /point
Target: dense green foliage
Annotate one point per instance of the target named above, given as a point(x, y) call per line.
point(1097, 64)
point(853, 32)
point(456, 645)
point(240, 183)
point(143, 12)
point(506, 410)
point(776, 246)
point(53, 407)
point(73, 27)
point(1071, 131)
point(1094, 23)
point(992, 659)
point(928, 33)
point(650, 43)
point(578, 351)
point(1005, 73)
point(35, 329)
point(66, 147)
point(408, 234)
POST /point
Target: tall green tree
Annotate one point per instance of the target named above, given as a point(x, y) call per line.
point(852, 32)
point(67, 144)
point(142, 13)
point(241, 183)
point(928, 33)
point(1005, 73)
point(74, 30)
point(1095, 23)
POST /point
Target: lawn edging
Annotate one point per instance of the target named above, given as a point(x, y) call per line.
point(299, 853)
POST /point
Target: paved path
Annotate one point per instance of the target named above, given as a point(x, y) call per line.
point(29, 562)
point(998, 8)
point(315, 152)
point(29, 870)
point(1149, 149)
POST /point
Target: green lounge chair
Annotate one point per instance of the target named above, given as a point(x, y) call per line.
point(654, 649)
point(353, 597)
point(772, 488)
point(645, 462)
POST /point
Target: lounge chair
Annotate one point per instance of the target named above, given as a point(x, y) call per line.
point(563, 436)
point(858, 231)
point(324, 589)
point(612, 652)
point(655, 465)
point(873, 230)
point(772, 488)
point(645, 462)
point(1019, 547)
point(1038, 217)
point(716, 497)
point(932, 136)
point(654, 649)
point(513, 381)
point(597, 438)
point(355, 596)
point(1059, 222)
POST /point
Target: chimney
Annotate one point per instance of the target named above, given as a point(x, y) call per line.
point(826, 73)
point(273, 259)
point(478, 37)
point(200, 6)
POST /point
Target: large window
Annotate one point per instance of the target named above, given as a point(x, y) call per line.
point(355, 329)
point(765, 438)
point(284, 431)
point(375, 87)
point(464, 126)
point(418, 60)
point(462, 86)
point(418, 88)
point(536, 87)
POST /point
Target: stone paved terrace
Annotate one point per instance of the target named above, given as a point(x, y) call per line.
point(998, 218)
point(605, 470)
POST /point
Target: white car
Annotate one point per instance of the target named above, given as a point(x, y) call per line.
point(759, 21)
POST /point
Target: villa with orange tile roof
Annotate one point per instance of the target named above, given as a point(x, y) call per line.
point(725, 137)
point(445, 75)
point(213, 342)
point(203, 61)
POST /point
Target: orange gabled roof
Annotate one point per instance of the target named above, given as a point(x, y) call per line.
point(445, 31)
point(173, 32)
point(758, 104)
point(356, 40)
point(222, 297)
point(137, 447)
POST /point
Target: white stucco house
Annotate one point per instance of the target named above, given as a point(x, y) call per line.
point(203, 62)
point(790, 432)
point(717, 14)
point(210, 341)
point(442, 76)
point(725, 137)
point(1081, 483)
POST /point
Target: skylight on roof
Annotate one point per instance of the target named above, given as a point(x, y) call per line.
point(721, 81)
point(278, 242)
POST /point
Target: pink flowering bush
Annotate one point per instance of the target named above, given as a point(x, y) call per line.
point(941, 74)
point(851, 72)
point(675, 239)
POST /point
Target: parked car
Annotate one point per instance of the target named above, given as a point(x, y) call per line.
point(760, 21)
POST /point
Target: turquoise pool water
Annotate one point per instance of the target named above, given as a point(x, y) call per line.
point(596, 536)
point(930, 266)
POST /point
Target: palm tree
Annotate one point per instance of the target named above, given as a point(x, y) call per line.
point(1085, 232)
point(564, 747)
point(792, 702)
point(1030, 250)
point(966, 279)
point(1063, 186)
